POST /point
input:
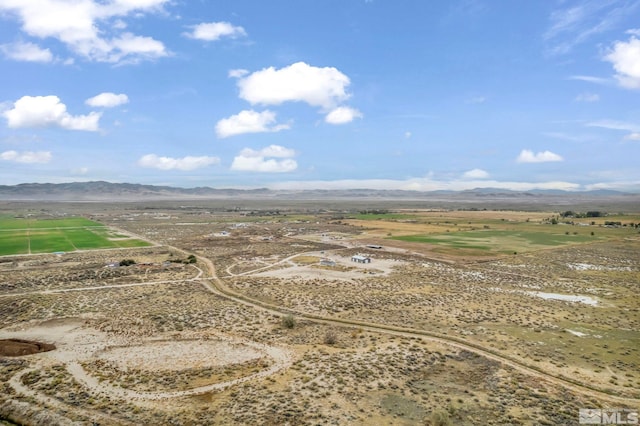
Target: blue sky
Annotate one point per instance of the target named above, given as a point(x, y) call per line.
point(418, 95)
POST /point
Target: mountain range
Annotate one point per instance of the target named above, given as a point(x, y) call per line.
point(107, 191)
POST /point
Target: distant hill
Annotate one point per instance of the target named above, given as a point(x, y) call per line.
point(107, 191)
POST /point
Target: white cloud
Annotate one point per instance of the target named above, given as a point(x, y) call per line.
point(167, 163)
point(583, 20)
point(475, 174)
point(48, 111)
point(625, 57)
point(270, 151)
point(587, 97)
point(342, 115)
point(407, 135)
point(238, 73)
point(618, 125)
point(424, 184)
point(130, 48)
point(26, 51)
point(527, 156)
point(632, 137)
point(28, 157)
point(84, 26)
point(119, 24)
point(107, 100)
point(299, 82)
point(250, 160)
point(615, 125)
point(590, 79)
point(211, 31)
point(249, 121)
point(260, 164)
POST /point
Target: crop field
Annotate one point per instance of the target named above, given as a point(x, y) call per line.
point(481, 233)
point(259, 315)
point(498, 241)
point(30, 236)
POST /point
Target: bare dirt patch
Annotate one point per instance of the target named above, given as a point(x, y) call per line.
point(20, 347)
point(179, 355)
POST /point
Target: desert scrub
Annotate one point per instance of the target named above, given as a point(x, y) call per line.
point(159, 381)
point(8, 368)
point(440, 418)
point(330, 338)
point(289, 321)
point(57, 382)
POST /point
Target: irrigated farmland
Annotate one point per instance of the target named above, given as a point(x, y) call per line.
point(30, 236)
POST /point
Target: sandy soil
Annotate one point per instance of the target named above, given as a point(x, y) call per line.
point(78, 342)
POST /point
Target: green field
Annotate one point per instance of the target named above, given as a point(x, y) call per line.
point(384, 216)
point(500, 241)
point(28, 236)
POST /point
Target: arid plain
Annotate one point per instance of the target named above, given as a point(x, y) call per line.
point(322, 313)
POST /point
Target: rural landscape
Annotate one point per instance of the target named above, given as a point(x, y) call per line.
point(362, 311)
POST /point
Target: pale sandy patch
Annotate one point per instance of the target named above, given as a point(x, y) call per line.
point(180, 355)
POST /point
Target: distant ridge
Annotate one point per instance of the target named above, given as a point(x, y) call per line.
point(107, 191)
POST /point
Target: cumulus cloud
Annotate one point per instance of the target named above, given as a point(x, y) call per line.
point(168, 163)
point(48, 111)
point(250, 160)
point(625, 57)
point(342, 115)
point(28, 157)
point(320, 87)
point(27, 52)
point(107, 100)
point(89, 28)
point(475, 174)
point(130, 48)
point(270, 151)
point(527, 156)
point(211, 31)
point(249, 121)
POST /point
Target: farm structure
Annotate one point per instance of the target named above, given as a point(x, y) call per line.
point(360, 259)
point(327, 262)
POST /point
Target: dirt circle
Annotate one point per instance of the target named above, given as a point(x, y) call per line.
point(20, 347)
point(182, 354)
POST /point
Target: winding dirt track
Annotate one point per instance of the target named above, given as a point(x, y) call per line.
point(216, 286)
point(282, 360)
point(16, 383)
